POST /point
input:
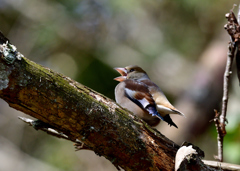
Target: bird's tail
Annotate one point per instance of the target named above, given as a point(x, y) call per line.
point(153, 111)
point(178, 112)
point(169, 120)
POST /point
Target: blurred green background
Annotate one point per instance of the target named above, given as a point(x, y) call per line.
point(181, 44)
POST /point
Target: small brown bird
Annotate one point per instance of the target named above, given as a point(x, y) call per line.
point(140, 95)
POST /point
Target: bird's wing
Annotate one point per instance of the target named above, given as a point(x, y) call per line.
point(163, 105)
point(138, 93)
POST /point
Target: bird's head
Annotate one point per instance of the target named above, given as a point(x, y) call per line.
point(131, 72)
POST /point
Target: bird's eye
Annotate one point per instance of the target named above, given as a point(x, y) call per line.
point(131, 70)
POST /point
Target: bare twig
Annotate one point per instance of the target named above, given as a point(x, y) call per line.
point(220, 135)
point(227, 75)
point(232, 28)
point(48, 130)
point(222, 166)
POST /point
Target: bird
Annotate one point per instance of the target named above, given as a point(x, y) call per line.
point(137, 93)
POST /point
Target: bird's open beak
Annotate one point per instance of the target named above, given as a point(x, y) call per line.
point(123, 73)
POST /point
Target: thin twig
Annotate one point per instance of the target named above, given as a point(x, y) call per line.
point(227, 76)
point(39, 125)
point(220, 136)
point(219, 139)
point(233, 30)
point(48, 130)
